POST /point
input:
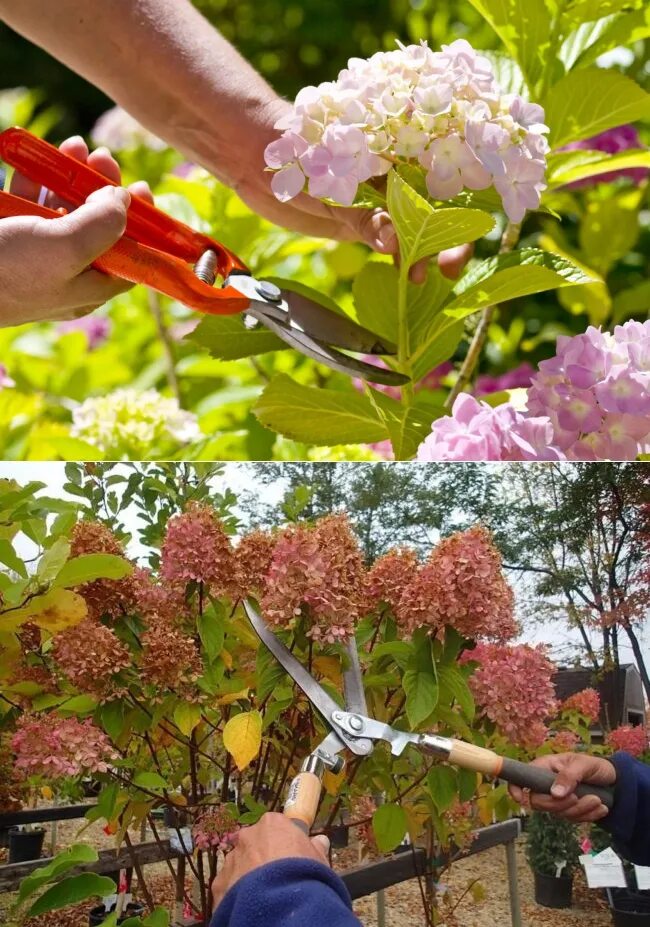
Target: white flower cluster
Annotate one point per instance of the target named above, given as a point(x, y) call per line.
point(443, 110)
point(129, 423)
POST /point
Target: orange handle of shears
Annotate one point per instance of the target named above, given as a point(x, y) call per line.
point(155, 250)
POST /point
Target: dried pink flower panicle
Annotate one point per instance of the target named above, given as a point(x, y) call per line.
point(110, 598)
point(513, 687)
point(197, 549)
point(586, 702)
point(169, 659)
point(215, 828)
point(461, 586)
point(390, 574)
point(632, 740)
point(55, 748)
point(253, 556)
point(89, 655)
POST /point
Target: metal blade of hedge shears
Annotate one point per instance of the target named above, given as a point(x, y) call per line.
point(319, 698)
point(176, 260)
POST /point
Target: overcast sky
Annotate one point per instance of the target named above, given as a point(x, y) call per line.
point(237, 478)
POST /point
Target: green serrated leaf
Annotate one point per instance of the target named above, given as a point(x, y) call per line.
point(420, 684)
point(590, 100)
point(453, 686)
point(389, 825)
point(226, 337)
point(585, 167)
point(53, 559)
point(211, 627)
point(442, 784)
point(75, 855)
point(575, 12)
point(72, 891)
point(319, 416)
point(524, 27)
point(88, 567)
point(510, 276)
point(608, 33)
point(423, 231)
point(9, 557)
point(150, 781)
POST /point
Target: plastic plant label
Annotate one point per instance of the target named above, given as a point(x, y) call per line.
point(642, 876)
point(605, 870)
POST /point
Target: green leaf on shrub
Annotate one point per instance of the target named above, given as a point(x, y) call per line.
point(589, 101)
point(150, 781)
point(9, 557)
point(407, 428)
point(72, 891)
point(424, 231)
point(53, 559)
point(186, 716)
point(75, 855)
point(524, 27)
point(609, 33)
point(585, 167)
point(510, 276)
point(389, 824)
point(442, 783)
point(79, 704)
point(583, 11)
point(453, 685)
point(467, 782)
point(319, 416)
point(420, 684)
point(211, 630)
point(88, 567)
point(225, 337)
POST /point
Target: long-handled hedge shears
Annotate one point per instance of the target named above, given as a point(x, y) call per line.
point(180, 262)
point(351, 728)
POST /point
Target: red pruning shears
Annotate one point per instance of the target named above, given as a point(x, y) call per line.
point(178, 261)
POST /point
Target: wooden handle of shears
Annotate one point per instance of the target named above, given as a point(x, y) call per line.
point(74, 181)
point(138, 263)
point(302, 801)
point(535, 778)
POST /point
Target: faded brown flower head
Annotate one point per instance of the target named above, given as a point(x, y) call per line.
point(253, 556)
point(169, 659)
point(104, 597)
point(89, 655)
point(197, 549)
point(158, 599)
point(391, 574)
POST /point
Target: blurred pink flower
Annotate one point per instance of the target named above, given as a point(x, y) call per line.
point(5, 379)
point(518, 378)
point(632, 740)
point(95, 327)
point(586, 702)
point(216, 828)
point(622, 138)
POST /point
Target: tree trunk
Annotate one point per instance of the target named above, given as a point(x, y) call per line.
point(638, 656)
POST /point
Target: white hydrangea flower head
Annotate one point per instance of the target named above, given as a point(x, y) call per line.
point(129, 423)
point(442, 110)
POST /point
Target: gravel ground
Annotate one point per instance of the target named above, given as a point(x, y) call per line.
point(403, 902)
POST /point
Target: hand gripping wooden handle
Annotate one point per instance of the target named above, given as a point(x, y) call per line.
point(525, 775)
point(302, 801)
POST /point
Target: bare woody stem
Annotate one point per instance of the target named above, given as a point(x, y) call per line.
point(509, 240)
point(166, 341)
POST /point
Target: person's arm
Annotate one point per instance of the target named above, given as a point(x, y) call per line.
point(629, 819)
point(164, 63)
point(276, 876)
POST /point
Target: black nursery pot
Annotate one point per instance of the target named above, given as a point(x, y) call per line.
point(630, 909)
point(25, 845)
point(4, 837)
point(552, 892)
point(96, 916)
point(339, 837)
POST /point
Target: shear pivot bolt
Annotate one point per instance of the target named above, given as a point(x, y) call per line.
point(356, 723)
point(270, 291)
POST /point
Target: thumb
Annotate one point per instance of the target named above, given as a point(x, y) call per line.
point(91, 229)
point(321, 844)
point(565, 783)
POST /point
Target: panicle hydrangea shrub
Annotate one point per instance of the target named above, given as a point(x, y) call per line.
point(586, 702)
point(513, 687)
point(169, 659)
point(196, 548)
point(632, 740)
point(89, 655)
point(215, 828)
point(443, 111)
point(318, 568)
point(564, 741)
point(54, 747)
point(461, 585)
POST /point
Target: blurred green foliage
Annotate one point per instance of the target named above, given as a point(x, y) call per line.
point(292, 44)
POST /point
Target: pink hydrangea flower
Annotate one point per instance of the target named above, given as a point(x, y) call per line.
point(564, 741)
point(586, 702)
point(513, 687)
point(518, 378)
point(95, 327)
point(55, 748)
point(632, 740)
point(215, 828)
point(613, 141)
point(197, 549)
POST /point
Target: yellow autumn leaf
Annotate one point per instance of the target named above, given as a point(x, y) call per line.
point(227, 659)
point(47, 793)
point(242, 737)
point(329, 668)
point(54, 611)
point(332, 782)
point(187, 715)
point(233, 696)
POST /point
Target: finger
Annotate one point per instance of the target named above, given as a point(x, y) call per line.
point(452, 261)
point(516, 793)
point(141, 189)
point(321, 843)
point(102, 160)
point(552, 805)
point(78, 313)
point(93, 288)
point(418, 273)
point(22, 186)
point(90, 230)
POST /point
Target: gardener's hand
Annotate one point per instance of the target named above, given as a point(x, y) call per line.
point(273, 837)
point(44, 263)
point(310, 216)
point(571, 768)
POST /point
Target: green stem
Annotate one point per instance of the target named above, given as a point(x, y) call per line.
point(509, 240)
point(403, 347)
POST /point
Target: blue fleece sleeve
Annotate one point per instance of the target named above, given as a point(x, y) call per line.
point(288, 891)
point(629, 820)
